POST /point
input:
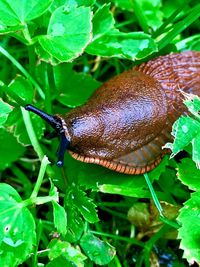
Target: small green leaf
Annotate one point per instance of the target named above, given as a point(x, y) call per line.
point(62, 248)
point(193, 104)
point(188, 174)
point(15, 119)
point(76, 197)
point(184, 130)
point(21, 90)
point(78, 88)
point(75, 224)
point(97, 250)
point(10, 149)
point(5, 110)
point(20, 11)
point(189, 231)
point(196, 150)
point(104, 16)
point(60, 218)
point(17, 228)
point(65, 39)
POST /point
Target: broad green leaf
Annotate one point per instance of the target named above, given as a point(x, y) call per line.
point(10, 149)
point(65, 249)
point(60, 218)
point(97, 250)
point(132, 45)
point(188, 174)
point(110, 42)
point(68, 33)
point(77, 198)
point(71, 3)
point(189, 230)
point(21, 11)
point(184, 130)
point(17, 228)
point(77, 89)
point(5, 110)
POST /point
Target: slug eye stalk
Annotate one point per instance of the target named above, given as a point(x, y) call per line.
point(56, 124)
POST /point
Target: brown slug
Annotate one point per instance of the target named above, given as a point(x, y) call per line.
point(125, 123)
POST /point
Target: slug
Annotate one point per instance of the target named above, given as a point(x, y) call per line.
point(125, 123)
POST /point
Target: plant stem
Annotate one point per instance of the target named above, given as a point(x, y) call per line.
point(31, 133)
point(125, 239)
point(43, 166)
point(153, 194)
point(23, 71)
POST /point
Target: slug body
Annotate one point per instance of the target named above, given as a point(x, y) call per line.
point(125, 123)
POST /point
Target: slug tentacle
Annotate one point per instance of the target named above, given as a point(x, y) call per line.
point(56, 123)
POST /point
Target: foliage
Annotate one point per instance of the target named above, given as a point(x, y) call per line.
point(55, 54)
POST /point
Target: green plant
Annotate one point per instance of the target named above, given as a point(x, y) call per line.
point(55, 54)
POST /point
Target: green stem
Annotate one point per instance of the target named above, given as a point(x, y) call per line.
point(153, 194)
point(43, 167)
point(23, 71)
point(27, 34)
point(139, 13)
point(125, 239)
point(31, 133)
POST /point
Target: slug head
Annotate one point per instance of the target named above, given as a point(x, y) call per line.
point(57, 125)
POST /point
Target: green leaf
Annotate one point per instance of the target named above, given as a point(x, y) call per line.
point(132, 46)
point(21, 90)
point(184, 130)
point(75, 225)
point(20, 11)
point(105, 17)
point(151, 12)
point(60, 218)
point(196, 150)
point(15, 119)
point(10, 149)
point(76, 197)
point(110, 42)
point(62, 248)
point(124, 4)
point(189, 231)
point(17, 228)
point(60, 261)
point(71, 3)
point(5, 110)
point(78, 88)
point(65, 39)
point(193, 104)
point(188, 174)
point(97, 250)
